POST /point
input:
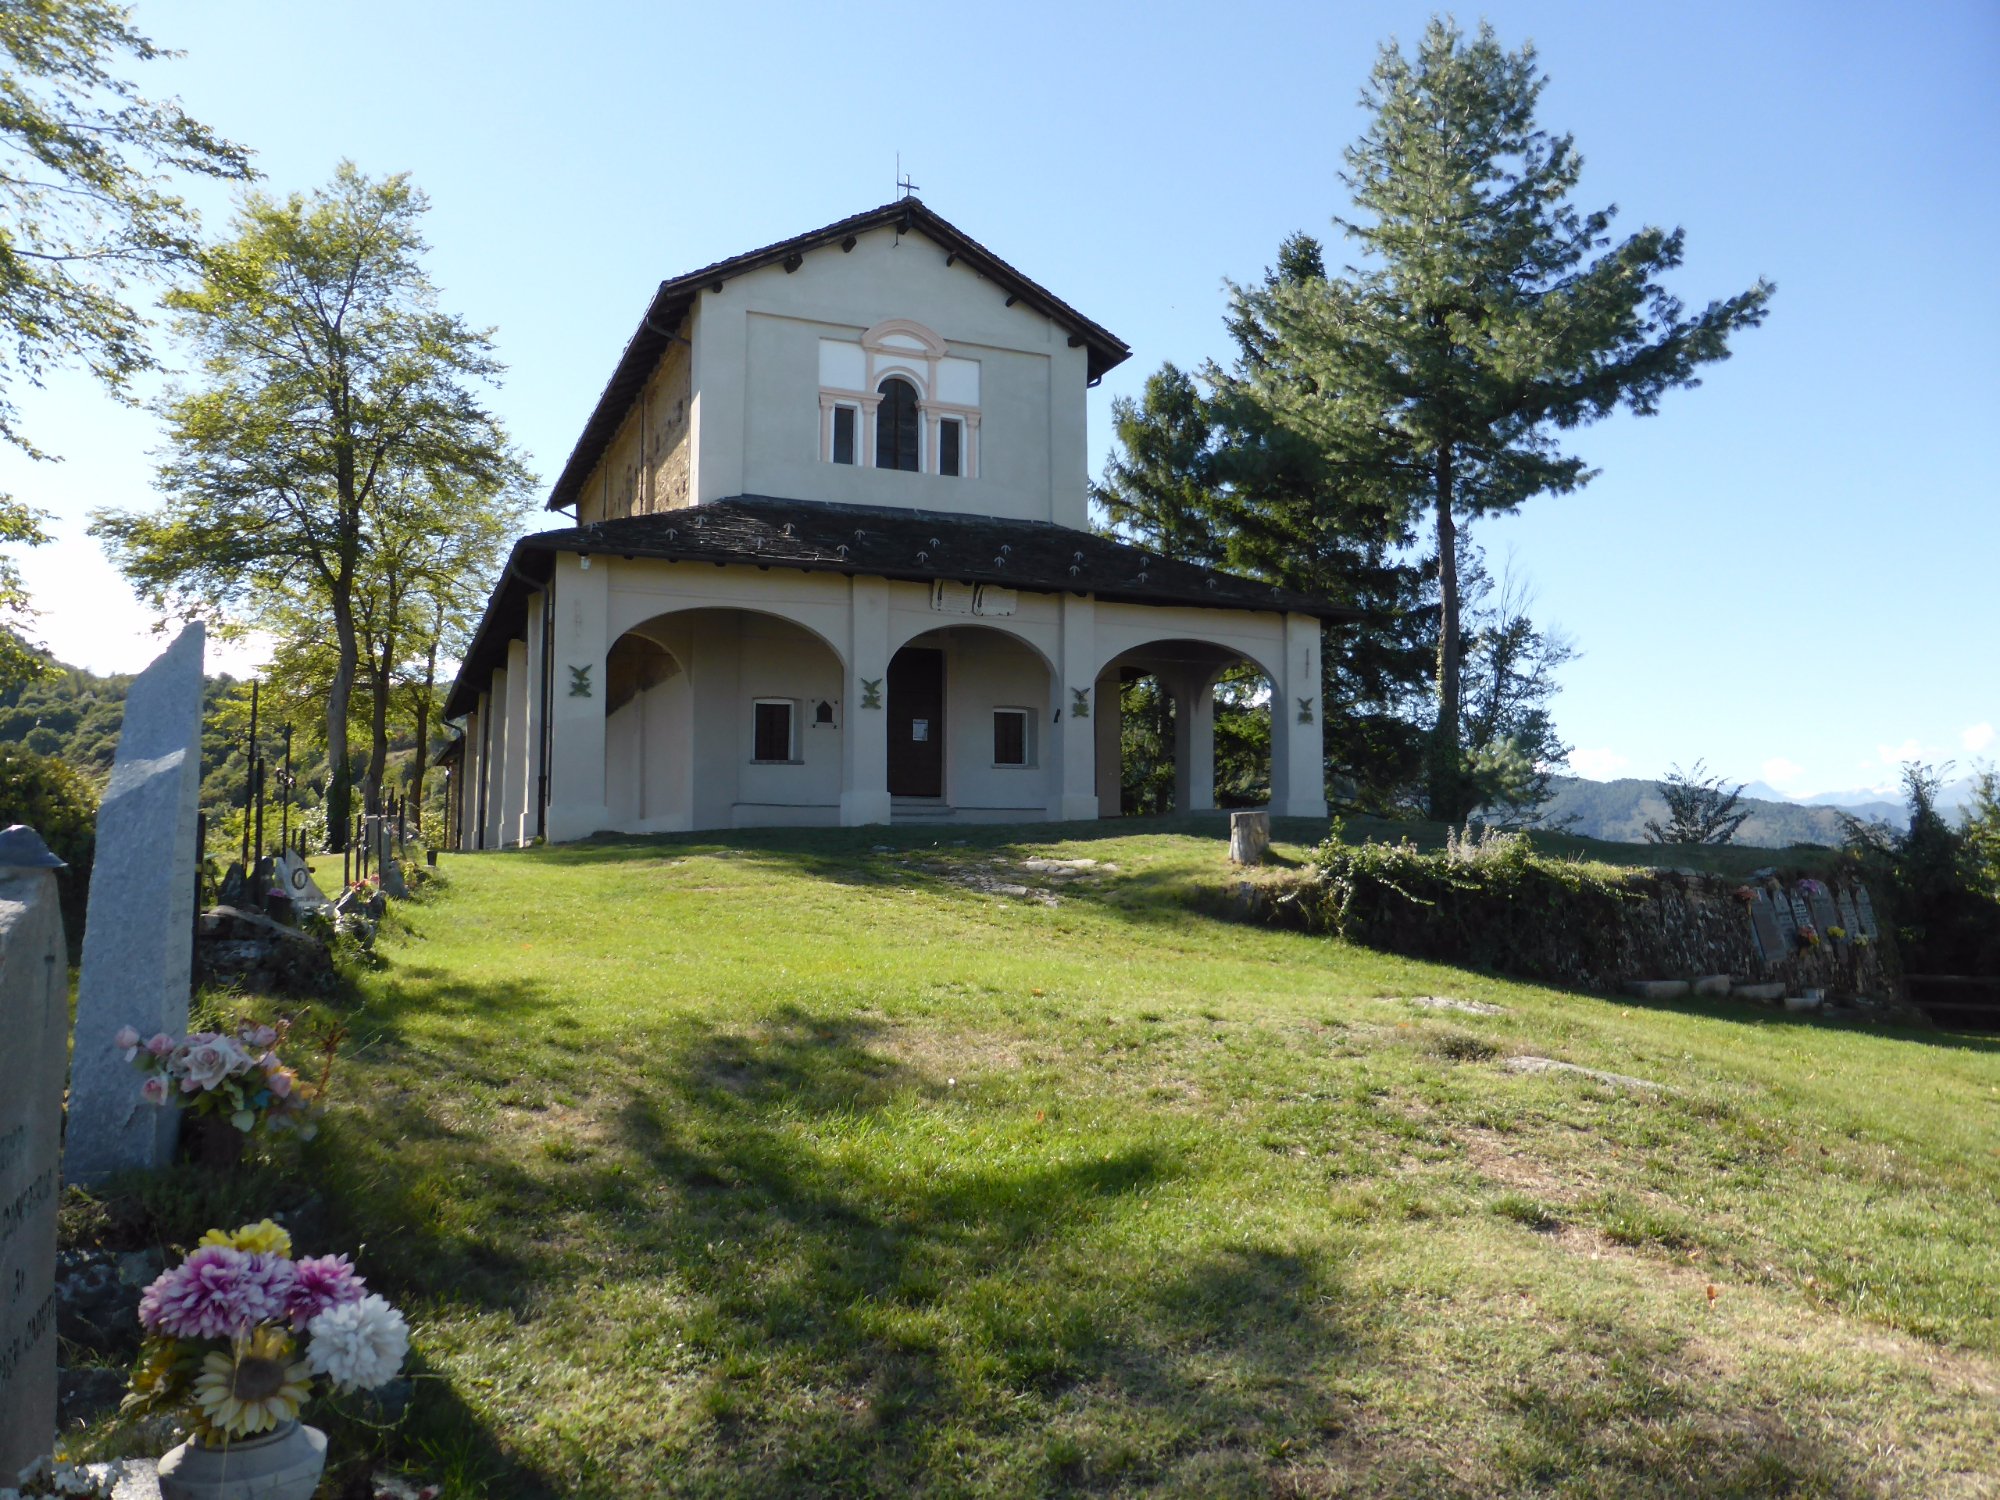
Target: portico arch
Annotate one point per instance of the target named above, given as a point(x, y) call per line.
point(720, 717)
point(1169, 760)
point(969, 709)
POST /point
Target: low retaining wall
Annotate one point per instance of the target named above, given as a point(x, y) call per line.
point(1548, 925)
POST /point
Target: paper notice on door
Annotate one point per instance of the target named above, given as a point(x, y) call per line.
point(920, 729)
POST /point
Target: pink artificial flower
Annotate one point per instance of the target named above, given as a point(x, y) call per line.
point(208, 1063)
point(279, 1082)
point(160, 1045)
point(217, 1293)
point(154, 1090)
point(320, 1283)
point(127, 1042)
point(260, 1037)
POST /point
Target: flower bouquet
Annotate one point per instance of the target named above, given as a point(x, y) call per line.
point(237, 1077)
point(1808, 936)
point(222, 1349)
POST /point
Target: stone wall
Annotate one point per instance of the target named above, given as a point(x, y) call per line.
point(1540, 922)
point(647, 466)
point(1687, 926)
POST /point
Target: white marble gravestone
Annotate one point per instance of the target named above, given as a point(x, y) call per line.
point(138, 933)
point(34, 1021)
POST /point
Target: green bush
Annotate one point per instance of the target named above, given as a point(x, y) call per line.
point(1486, 900)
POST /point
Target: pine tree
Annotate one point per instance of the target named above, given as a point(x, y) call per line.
point(1486, 315)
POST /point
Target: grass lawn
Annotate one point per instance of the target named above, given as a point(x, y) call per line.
point(821, 1164)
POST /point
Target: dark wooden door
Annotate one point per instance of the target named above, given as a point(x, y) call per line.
point(916, 723)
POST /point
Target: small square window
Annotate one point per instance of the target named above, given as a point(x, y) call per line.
point(843, 434)
point(951, 437)
point(1010, 736)
point(773, 737)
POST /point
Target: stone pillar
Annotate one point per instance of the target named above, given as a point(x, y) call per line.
point(864, 730)
point(494, 711)
point(138, 936)
point(466, 784)
point(1298, 756)
point(1108, 714)
point(480, 787)
point(1194, 742)
point(514, 766)
point(34, 1019)
point(576, 714)
point(534, 770)
point(1073, 737)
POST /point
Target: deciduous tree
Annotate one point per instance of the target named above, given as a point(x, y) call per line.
point(329, 372)
point(1701, 809)
point(85, 210)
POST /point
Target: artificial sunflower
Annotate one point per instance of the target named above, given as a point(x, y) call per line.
point(252, 1390)
point(161, 1375)
point(253, 1239)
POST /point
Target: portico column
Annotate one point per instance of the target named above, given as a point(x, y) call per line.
point(1298, 756)
point(1109, 717)
point(514, 766)
point(525, 829)
point(468, 782)
point(1194, 742)
point(1073, 727)
point(494, 710)
point(864, 717)
point(576, 709)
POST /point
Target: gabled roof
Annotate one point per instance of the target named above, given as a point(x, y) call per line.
point(873, 541)
point(671, 302)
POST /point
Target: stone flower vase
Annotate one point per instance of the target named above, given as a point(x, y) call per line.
point(283, 1464)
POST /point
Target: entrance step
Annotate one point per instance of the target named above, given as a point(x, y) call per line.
point(920, 810)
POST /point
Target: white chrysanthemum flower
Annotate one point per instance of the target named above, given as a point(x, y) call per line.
point(359, 1345)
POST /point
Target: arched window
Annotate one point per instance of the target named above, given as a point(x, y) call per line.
point(896, 431)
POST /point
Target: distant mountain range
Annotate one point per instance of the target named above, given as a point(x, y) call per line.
point(1619, 810)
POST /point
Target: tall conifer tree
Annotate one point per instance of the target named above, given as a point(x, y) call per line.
point(1486, 314)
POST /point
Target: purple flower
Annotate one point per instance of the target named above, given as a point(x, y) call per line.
point(217, 1293)
point(320, 1283)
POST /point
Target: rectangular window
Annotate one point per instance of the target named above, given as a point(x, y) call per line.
point(950, 435)
point(1010, 736)
point(843, 434)
point(773, 736)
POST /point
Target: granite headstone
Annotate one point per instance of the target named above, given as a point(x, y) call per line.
point(138, 936)
point(1764, 927)
point(34, 1020)
point(1864, 913)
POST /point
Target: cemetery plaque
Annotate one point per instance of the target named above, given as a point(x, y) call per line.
point(34, 1020)
point(138, 939)
point(1864, 913)
point(1844, 901)
point(1787, 922)
point(1825, 914)
point(1764, 927)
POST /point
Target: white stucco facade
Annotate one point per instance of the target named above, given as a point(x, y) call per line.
point(630, 687)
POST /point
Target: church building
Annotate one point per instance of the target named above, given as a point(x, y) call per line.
point(831, 565)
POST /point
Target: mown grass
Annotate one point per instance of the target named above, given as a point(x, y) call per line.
point(799, 1164)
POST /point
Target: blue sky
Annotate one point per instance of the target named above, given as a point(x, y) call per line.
point(1787, 572)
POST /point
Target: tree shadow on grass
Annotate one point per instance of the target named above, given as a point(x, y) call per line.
point(865, 1290)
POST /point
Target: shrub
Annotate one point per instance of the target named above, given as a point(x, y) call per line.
point(1485, 899)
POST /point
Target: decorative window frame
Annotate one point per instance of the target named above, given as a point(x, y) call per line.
point(904, 348)
point(792, 749)
point(1027, 761)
